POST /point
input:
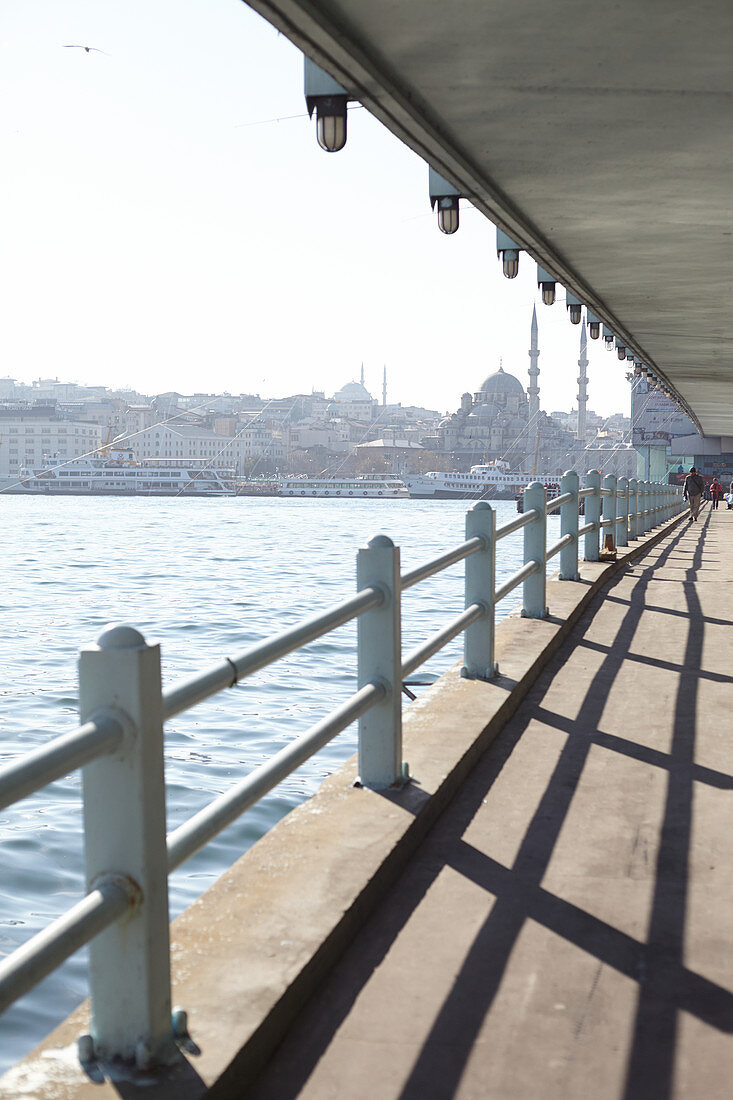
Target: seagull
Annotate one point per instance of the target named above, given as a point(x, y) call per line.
point(74, 46)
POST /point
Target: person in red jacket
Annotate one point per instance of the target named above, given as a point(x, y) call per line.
point(716, 492)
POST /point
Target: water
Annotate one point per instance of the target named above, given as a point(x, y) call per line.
point(206, 579)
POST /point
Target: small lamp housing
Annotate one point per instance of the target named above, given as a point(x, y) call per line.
point(508, 252)
point(329, 100)
point(444, 197)
point(546, 283)
point(575, 307)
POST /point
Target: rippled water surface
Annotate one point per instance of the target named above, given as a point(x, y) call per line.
point(206, 579)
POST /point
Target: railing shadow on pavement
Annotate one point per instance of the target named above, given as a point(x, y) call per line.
point(666, 986)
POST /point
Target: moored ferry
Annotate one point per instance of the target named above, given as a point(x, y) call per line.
point(356, 487)
point(492, 482)
point(118, 474)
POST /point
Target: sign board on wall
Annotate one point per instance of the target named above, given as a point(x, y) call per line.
point(656, 419)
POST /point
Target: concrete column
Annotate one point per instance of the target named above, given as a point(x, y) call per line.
point(633, 507)
point(622, 523)
point(380, 659)
point(480, 585)
point(534, 598)
point(125, 834)
point(569, 526)
point(592, 515)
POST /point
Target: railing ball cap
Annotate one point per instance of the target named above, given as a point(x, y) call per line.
point(85, 1049)
point(481, 506)
point(120, 636)
point(380, 541)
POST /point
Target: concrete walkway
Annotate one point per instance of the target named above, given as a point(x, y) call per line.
point(565, 931)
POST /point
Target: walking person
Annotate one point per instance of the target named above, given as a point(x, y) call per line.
point(716, 492)
point(693, 490)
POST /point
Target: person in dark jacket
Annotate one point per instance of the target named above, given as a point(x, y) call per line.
point(693, 490)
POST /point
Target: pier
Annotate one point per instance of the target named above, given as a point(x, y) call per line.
point(546, 899)
point(563, 930)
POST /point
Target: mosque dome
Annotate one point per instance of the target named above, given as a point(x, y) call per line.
point(517, 424)
point(502, 383)
point(352, 391)
point(487, 411)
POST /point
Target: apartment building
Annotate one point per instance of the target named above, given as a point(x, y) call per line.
point(175, 443)
point(35, 436)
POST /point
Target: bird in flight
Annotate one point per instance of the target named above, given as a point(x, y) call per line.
point(89, 49)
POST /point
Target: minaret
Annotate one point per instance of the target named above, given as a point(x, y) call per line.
point(582, 385)
point(533, 391)
point(384, 387)
point(362, 374)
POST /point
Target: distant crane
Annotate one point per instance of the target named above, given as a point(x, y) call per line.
point(104, 449)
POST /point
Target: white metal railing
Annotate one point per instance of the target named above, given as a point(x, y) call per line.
point(119, 746)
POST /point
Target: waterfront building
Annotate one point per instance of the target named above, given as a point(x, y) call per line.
point(36, 435)
point(171, 443)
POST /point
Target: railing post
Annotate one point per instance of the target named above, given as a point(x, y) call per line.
point(609, 507)
point(125, 834)
point(592, 515)
point(622, 522)
point(644, 507)
point(633, 508)
point(380, 661)
point(534, 598)
point(569, 526)
point(478, 638)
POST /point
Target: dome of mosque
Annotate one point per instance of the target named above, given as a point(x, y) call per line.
point(352, 391)
point(503, 383)
point(483, 412)
point(517, 424)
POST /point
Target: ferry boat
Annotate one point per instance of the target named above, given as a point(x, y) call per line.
point(373, 487)
point(493, 481)
point(116, 473)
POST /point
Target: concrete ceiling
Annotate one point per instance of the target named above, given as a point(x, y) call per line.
point(599, 136)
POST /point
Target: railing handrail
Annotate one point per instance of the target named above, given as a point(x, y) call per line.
point(110, 731)
point(517, 524)
point(232, 670)
point(451, 557)
point(36, 769)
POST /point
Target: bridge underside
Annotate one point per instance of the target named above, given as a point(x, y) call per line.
point(598, 137)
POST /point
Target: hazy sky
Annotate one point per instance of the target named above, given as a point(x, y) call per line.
point(158, 232)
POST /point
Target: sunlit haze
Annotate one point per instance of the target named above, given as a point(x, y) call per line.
point(160, 233)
